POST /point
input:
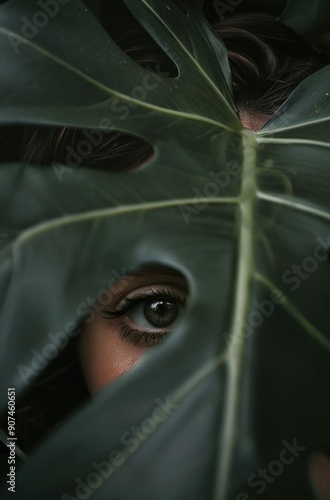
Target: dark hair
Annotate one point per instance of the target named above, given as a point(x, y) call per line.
point(267, 61)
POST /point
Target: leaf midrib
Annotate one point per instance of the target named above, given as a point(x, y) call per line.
point(190, 56)
point(245, 266)
point(114, 93)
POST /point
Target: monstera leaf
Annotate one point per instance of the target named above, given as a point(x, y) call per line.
point(310, 20)
point(243, 216)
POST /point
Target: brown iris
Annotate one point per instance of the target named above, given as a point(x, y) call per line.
point(160, 312)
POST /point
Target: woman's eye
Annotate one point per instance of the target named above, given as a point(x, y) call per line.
point(155, 313)
point(146, 316)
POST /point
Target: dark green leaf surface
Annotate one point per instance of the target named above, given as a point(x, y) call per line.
point(310, 20)
point(239, 393)
point(89, 79)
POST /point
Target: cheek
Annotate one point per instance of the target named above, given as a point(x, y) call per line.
point(104, 355)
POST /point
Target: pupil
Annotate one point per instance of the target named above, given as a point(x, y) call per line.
point(160, 312)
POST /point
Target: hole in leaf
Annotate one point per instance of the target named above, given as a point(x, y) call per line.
point(94, 148)
point(134, 40)
point(55, 388)
point(136, 313)
point(11, 141)
point(94, 6)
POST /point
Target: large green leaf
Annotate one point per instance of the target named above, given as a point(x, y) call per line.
point(92, 79)
point(310, 20)
point(234, 211)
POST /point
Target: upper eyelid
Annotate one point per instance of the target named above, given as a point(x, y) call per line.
point(131, 283)
point(147, 292)
point(154, 289)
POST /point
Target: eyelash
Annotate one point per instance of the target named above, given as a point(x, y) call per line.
point(143, 338)
point(140, 337)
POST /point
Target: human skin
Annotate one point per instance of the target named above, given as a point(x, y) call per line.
point(320, 475)
point(110, 344)
point(105, 355)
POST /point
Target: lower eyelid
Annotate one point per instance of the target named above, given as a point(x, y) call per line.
point(138, 334)
point(141, 338)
